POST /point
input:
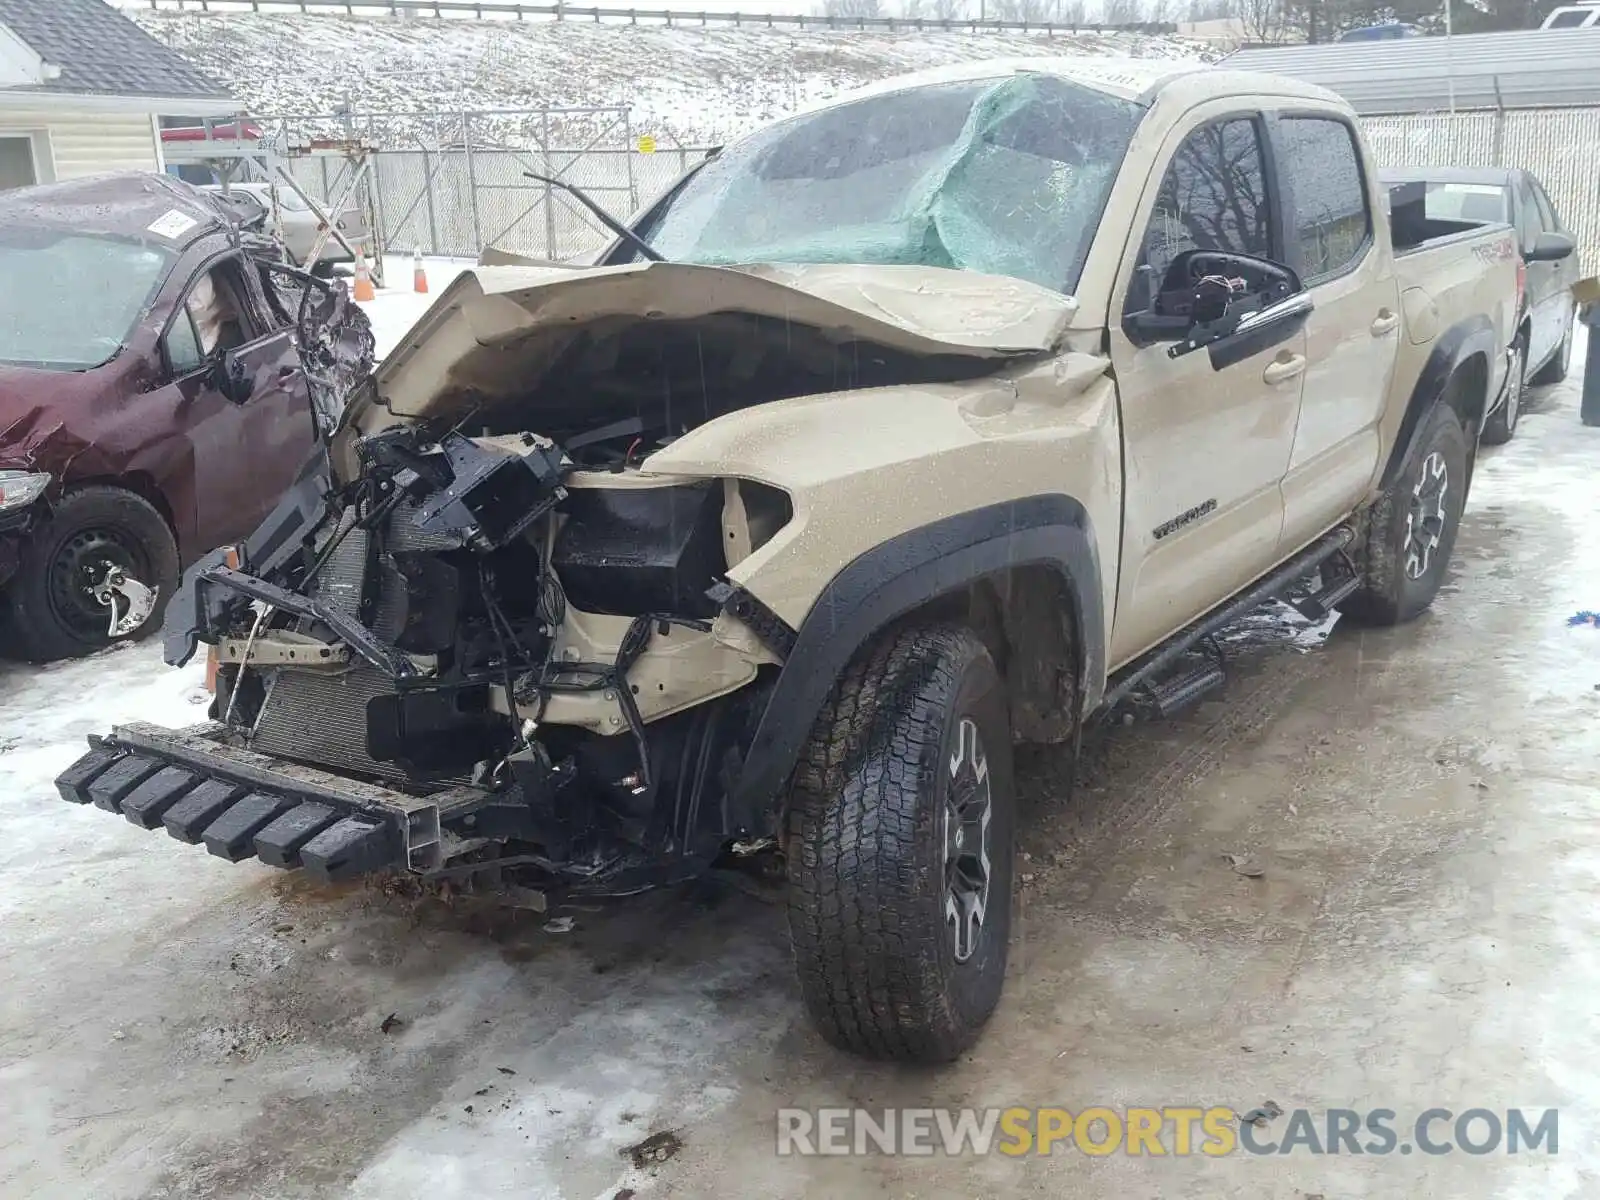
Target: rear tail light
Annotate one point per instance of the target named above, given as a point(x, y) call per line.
point(1522, 281)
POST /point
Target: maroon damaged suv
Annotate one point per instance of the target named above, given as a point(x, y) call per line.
point(163, 377)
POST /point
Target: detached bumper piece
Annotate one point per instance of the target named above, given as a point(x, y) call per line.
point(241, 804)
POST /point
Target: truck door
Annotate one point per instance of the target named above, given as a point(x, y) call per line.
point(1353, 334)
point(246, 451)
point(1205, 447)
point(1549, 283)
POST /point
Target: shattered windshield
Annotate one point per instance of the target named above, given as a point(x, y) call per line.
point(70, 300)
point(1002, 177)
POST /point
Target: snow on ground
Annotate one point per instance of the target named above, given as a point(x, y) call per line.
point(397, 305)
point(691, 84)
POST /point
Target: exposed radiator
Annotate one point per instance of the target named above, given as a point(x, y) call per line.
point(322, 718)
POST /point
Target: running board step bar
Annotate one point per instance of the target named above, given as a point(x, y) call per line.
point(1171, 697)
point(1339, 581)
point(1154, 663)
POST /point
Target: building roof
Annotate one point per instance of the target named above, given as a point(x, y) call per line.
point(1552, 68)
point(99, 52)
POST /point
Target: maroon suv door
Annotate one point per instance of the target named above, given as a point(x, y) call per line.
point(248, 445)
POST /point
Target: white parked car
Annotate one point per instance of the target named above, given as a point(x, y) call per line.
point(1573, 16)
point(300, 226)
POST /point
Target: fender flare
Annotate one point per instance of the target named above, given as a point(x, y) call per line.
point(1475, 335)
point(901, 575)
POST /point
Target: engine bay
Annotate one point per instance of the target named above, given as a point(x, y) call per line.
point(480, 612)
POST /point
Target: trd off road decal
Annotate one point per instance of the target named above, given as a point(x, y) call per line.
point(1185, 518)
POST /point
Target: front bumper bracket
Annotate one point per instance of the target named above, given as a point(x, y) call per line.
point(243, 804)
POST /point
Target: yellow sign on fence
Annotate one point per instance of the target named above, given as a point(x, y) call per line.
point(647, 144)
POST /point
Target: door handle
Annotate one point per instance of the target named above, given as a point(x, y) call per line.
point(1384, 322)
point(1281, 369)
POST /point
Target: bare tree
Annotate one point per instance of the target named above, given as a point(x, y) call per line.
point(1262, 19)
point(946, 10)
point(852, 8)
point(1159, 12)
point(1021, 10)
point(1121, 12)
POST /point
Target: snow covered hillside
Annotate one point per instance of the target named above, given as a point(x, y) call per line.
point(689, 84)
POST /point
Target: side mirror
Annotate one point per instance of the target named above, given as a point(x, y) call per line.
point(1551, 247)
point(1206, 295)
point(231, 377)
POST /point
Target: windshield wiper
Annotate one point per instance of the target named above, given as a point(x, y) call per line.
point(606, 219)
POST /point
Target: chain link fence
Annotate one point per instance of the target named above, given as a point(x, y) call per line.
point(453, 183)
point(1559, 145)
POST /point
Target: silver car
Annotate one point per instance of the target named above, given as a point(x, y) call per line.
point(299, 225)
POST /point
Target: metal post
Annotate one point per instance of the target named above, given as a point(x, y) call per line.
point(549, 195)
point(472, 184)
point(1589, 410)
point(627, 154)
point(433, 220)
point(1499, 124)
point(1450, 71)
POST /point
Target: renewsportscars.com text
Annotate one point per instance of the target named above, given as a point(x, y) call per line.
point(1176, 1131)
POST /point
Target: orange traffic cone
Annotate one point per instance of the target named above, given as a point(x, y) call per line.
point(419, 277)
point(363, 289)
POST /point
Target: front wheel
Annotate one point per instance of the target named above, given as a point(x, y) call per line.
point(100, 570)
point(1411, 531)
point(901, 850)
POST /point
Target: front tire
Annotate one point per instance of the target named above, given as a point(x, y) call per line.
point(1411, 531)
point(90, 564)
point(901, 849)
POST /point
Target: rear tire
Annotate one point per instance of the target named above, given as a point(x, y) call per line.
point(1411, 530)
point(901, 824)
point(1555, 371)
point(1502, 423)
point(53, 612)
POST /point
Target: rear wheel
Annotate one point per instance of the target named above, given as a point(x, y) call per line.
point(901, 849)
point(1555, 371)
point(1411, 530)
point(99, 571)
point(1502, 423)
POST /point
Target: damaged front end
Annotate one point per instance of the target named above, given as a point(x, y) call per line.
point(493, 630)
point(475, 657)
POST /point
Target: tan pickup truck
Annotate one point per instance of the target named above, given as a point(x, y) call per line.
point(953, 413)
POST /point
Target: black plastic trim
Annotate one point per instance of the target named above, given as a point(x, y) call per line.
point(905, 573)
point(1235, 348)
point(1461, 341)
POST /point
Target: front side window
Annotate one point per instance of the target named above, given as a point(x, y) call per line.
point(1330, 226)
point(1529, 224)
point(1004, 177)
point(209, 322)
point(69, 301)
point(1213, 197)
point(183, 346)
point(1547, 210)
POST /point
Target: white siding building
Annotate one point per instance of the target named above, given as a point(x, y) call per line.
point(83, 89)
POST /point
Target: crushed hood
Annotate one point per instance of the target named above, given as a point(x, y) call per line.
point(496, 330)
